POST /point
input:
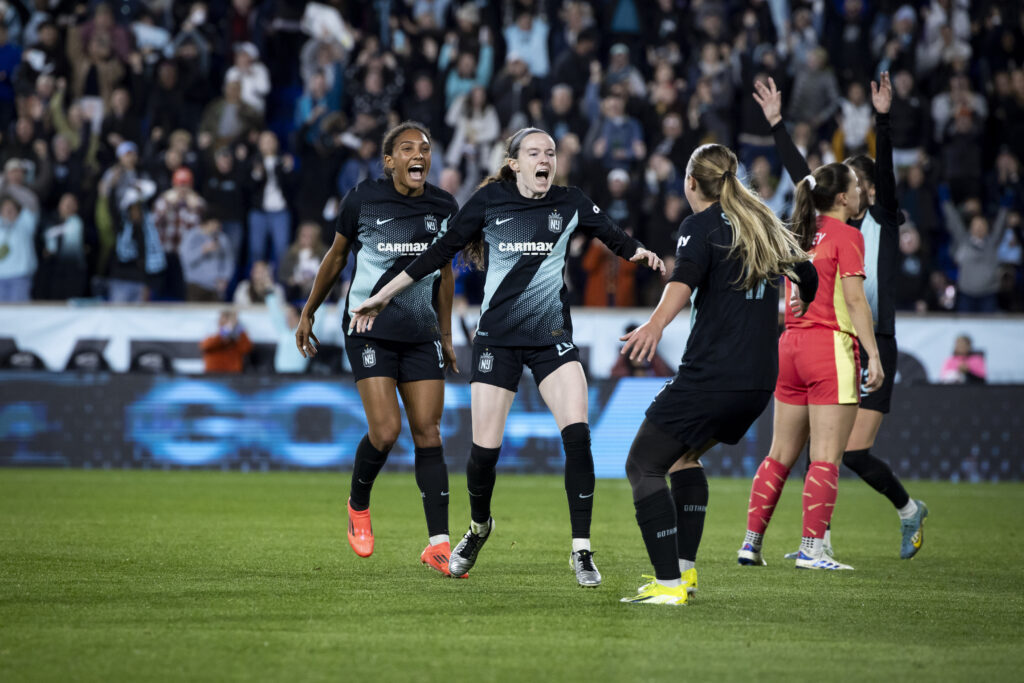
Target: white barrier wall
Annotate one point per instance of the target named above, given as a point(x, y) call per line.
point(52, 332)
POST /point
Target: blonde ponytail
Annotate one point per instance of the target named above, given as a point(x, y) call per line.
point(760, 240)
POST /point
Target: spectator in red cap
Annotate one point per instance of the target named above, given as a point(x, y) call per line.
point(176, 212)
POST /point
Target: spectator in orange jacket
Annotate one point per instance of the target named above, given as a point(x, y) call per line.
point(226, 350)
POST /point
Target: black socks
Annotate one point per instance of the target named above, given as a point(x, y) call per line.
point(432, 480)
point(480, 481)
point(367, 466)
point(878, 475)
point(690, 493)
point(579, 477)
point(656, 515)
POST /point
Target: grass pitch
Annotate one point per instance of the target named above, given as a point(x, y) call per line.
point(186, 576)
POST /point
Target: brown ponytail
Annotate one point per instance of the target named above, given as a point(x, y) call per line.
point(817, 196)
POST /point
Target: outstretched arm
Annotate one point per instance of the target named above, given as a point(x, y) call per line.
point(885, 175)
point(642, 343)
point(770, 99)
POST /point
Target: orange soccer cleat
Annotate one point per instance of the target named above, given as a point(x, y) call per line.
point(360, 531)
point(436, 557)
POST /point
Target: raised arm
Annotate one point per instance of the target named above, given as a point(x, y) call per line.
point(770, 99)
point(596, 223)
point(885, 175)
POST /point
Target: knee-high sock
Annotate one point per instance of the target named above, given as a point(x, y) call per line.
point(579, 477)
point(764, 494)
point(432, 480)
point(656, 515)
point(367, 466)
point(878, 475)
point(480, 474)
point(820, 489)
point(690, 493)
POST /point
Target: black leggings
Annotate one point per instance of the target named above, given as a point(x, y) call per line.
point(652, 454)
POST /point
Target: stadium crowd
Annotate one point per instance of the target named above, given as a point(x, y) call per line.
point(157, 150)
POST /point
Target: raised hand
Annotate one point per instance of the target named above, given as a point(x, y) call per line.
point(770, 99)
point(881, 94)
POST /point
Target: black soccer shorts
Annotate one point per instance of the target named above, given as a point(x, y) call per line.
point(888, 353)
point(502, 366)
point(693, 416)
point(402, 361)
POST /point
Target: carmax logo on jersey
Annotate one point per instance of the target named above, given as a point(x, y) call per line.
point(402, 247)
point(527, 248)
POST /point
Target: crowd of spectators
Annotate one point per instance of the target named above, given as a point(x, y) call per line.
point(158, 150)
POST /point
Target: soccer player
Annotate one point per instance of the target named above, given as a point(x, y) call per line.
point(518, 226)
point(384, 224)
point(816, 394)
point(878, 220)
point(729, 257)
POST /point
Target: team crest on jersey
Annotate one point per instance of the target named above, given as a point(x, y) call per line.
point(555, 222)
point(486, 361)
point(431, 223)
point(369, 357)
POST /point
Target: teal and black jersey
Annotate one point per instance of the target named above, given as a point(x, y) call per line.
point(881, 229)
point(526, 242)
point(387, 231)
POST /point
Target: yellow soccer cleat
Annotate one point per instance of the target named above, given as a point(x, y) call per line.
point(689, 580)
point(654, 593)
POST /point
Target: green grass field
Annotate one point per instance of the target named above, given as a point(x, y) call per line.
point(185, 576)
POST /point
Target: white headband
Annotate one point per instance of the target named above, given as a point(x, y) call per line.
point(811, 181)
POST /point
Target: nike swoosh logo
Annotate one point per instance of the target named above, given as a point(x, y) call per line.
point(590, 496)
point(380, 222)
point(444, 493)
point(562, 352)
point(363, 482)
point(499, 222)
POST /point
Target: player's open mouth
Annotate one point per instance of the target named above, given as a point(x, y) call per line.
point(416, 172)
point(542, 174)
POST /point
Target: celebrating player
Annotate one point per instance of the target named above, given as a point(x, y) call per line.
point(730, 254)
point(878, 221)
point(816, 394)
point(518, 226)
point(385, 223)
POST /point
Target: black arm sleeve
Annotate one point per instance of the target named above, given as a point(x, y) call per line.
point(464, 226)
point(596, 223)
point(807, 278)
point(885, 176)
point(792, 160)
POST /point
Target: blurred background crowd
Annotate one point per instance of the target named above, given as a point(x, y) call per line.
point(197, 151)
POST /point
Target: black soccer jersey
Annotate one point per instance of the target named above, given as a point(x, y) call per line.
point(525, 247)
point(733, 344)
point(387, 231)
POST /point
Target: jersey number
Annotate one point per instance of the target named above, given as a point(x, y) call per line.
point(757, 291)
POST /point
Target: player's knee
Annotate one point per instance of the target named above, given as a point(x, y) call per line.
point(426, 435)
point(634, 472)
point(576, 440)
point(856, 460)
point(384, 435)
point(483, 458)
